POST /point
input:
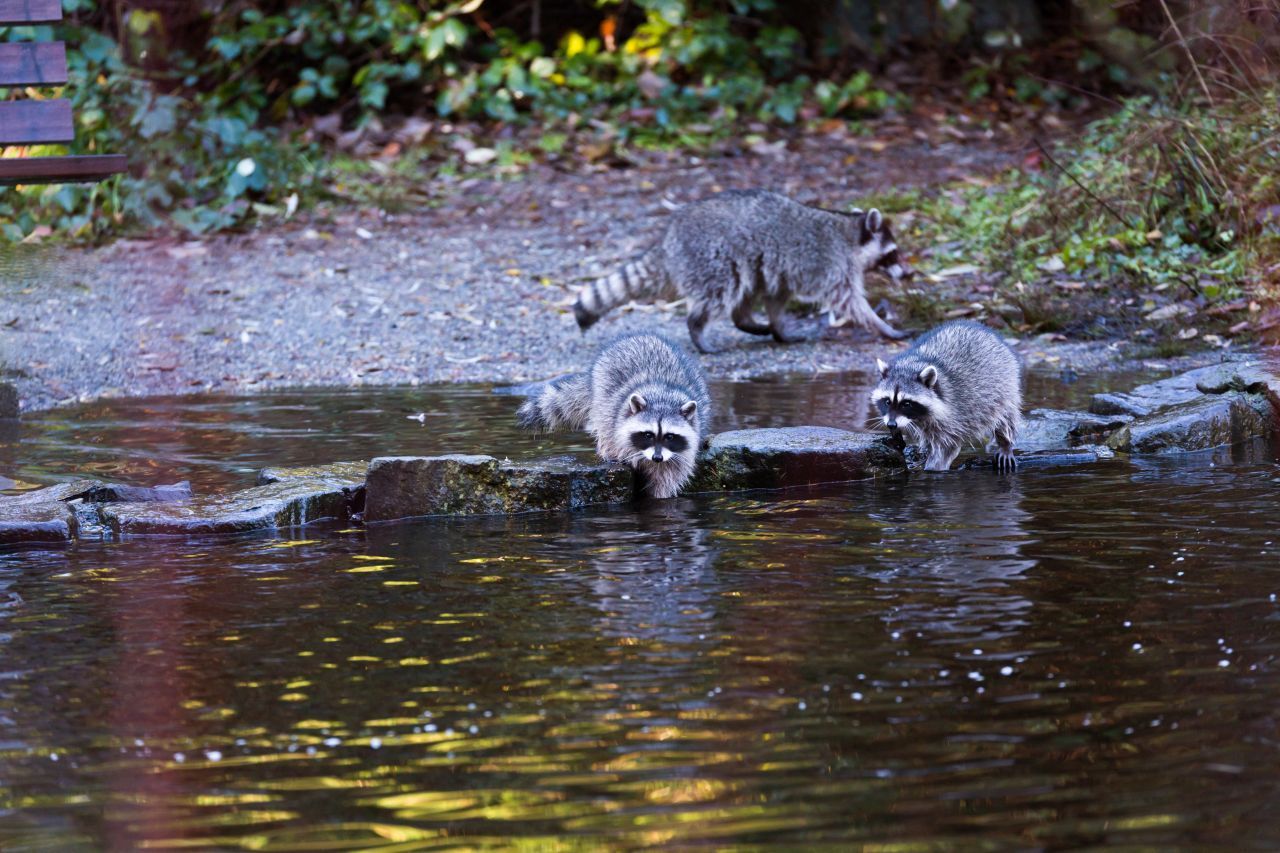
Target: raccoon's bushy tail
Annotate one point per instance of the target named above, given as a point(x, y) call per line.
point(562, 403)
point(641, 276)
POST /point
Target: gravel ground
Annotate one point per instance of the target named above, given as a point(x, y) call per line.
point(474, 287)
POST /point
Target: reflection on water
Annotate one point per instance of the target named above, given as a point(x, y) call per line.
point(1063, 658)
point(221, 442)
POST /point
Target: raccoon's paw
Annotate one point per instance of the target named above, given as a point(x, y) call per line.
point(1005, 462)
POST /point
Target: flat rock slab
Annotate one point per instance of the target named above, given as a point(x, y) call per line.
point(1208, 421)
point(1039, 459)
point(411, 486)
point(791, 456)
point(342, 473)
point(41, 515)
point(284, 504)
point(1054, 429)
point(118, 493)
point(51, 521)
point(1256, 375)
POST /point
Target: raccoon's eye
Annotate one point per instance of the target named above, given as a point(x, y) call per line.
point(642, 440)
point(883, 405)
point(912, 409)
point(675, 443)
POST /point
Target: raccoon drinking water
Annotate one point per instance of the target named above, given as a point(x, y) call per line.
point(957, 383)
point(726, 252)
point(644, 400)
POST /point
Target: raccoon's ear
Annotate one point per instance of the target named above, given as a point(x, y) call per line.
point(637, 404)
point(929, 376)
point(871, 224)
point(882, 367)
point(689, 408)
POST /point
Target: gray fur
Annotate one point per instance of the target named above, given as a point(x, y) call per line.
point(637, 383)
point(727, 251)
point(969, 384)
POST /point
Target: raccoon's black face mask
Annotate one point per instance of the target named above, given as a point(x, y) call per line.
point(894, 412)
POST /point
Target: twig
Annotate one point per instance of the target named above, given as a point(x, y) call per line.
point(1108, 208)
point(1177, 31)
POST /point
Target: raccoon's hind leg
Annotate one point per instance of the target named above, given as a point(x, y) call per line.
point(776, 305)
point(744, 318)
point(699, 314)
point(1005, 461)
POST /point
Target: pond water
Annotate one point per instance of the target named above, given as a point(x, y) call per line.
point(1072, 657)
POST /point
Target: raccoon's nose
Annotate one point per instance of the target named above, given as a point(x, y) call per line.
point(657, 454)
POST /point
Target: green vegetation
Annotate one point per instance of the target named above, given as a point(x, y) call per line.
point(1178, 201)
point(219, 126)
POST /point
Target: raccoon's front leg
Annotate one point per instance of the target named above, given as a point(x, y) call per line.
point(744, 318)
point(776, 306)
point(699, 314)
point(1005, 461)
point(940, 457)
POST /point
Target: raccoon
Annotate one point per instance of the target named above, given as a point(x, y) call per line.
point(646, 402)
point(727, 251)
point(957, 383)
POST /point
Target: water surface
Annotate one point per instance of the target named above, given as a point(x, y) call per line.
point(1061, 658)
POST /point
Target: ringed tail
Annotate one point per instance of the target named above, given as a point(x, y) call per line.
point(562, 403)
point(638, 277)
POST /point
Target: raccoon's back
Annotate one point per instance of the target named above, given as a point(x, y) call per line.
point(976, 362)
point(757, 238)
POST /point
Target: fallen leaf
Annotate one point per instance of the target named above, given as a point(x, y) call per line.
point(952, 272)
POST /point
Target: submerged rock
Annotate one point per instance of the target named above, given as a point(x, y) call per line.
point(1209, 421)
point(455, 484)
point(288, 503)
point(791, 456)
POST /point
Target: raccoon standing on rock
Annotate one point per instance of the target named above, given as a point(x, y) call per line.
point(727, 251)
point(957, 383)
point(645, 401)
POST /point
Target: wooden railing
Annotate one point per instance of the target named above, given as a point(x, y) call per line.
point(41, 122)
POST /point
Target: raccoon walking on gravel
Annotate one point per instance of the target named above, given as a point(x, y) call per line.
point(727, 251)
point(957, 383)
point(646, 402)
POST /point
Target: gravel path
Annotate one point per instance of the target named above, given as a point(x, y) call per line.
point(474, 287)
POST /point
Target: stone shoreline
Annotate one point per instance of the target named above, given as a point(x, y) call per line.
point(1203, 408)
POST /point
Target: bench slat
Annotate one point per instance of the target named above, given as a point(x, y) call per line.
point(36, 122)
point(60, 170)
point(30, 11)
point(33, 64)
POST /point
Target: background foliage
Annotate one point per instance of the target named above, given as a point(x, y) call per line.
point(222, 105)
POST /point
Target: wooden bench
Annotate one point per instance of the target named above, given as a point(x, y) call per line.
point(35, 122)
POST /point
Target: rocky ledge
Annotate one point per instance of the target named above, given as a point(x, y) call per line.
point(1205, 408)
